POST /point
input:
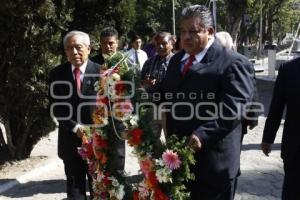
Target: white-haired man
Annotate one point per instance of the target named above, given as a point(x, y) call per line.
point(72, 86)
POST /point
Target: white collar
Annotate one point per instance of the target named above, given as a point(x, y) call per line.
point(200, 55)
point(136, 50)
point(81, 68)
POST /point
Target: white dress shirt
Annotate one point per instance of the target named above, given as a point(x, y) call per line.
point(142, 56)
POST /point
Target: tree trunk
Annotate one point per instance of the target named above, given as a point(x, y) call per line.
point(2, 141)
point(11, 147)
point(4, 151)
point(23, 142)
point(235, 11)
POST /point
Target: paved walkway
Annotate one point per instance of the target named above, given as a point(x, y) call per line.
point(261, 177)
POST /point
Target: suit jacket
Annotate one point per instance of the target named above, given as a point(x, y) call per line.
point(98, 59)
point(286, 94)
point(221, 83)
point(65, 93)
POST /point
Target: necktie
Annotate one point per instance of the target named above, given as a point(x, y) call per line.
point(188, 64)
point(77, 78)
point(136, 58)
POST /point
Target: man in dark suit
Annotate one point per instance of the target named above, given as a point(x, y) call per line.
point(206, 87)
point(109, 46)
point(71, 96)
point(286, 94)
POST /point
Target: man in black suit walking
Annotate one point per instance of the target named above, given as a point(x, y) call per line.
point(71, 96)
point(207, 87)
point(286, 94)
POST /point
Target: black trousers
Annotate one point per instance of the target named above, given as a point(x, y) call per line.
point(291, 182)
point(213, 189)
point(76, 171)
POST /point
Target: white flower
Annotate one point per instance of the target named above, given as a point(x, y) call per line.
point(163, 175)
point(112, 93)
point(118, 193)
point(134, 121)
point(143, 190)
point(159, 162)
point(100, 177)
point(114, 182)
point(96, 86)
point(113, 78)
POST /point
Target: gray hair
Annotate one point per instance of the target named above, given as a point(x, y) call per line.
point(225, 39)
point(83, 35)
point(163, 35)
point(198, 11)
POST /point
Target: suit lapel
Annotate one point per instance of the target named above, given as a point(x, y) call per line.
point(89, 75)
point(69, 76)
point(205, 62)
point(176, 72)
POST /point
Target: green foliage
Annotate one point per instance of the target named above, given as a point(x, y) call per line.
point(279, 17)
point(31, 36)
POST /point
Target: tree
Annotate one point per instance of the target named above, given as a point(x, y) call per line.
point(31, 37)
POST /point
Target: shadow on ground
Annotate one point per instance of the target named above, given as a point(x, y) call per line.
point(260, 184)
point(36, 187)
point(246, 147)
point(6, 180)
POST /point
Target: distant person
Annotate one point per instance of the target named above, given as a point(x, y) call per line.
point(108, 44)
point(125, 47)
point(155, 68)
point(149, 47)
point(154, 71)
point(136, 55)
point(286, 94)
point(225, 39)
point(68, 80)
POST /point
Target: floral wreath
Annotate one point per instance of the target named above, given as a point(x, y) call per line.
point(163, 175)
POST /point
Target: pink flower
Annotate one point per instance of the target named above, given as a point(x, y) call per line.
point(171, 159)
point(146, 166)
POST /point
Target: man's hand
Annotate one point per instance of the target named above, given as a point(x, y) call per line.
point(195, 142)
point(80, 132)
point(266, 148)
point(149, 82)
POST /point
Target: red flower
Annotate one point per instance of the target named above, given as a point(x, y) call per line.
point(146, 166)
point(106, 180)
point(152, 180)
point(89, 150)
point(102, 100)
point(135, 195)
point(159, 195)
point(120, 87)
point(98, 141)
point(100, 156)
point(135, 137)
point(116, 69)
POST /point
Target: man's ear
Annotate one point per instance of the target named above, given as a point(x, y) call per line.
point(211, 31)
